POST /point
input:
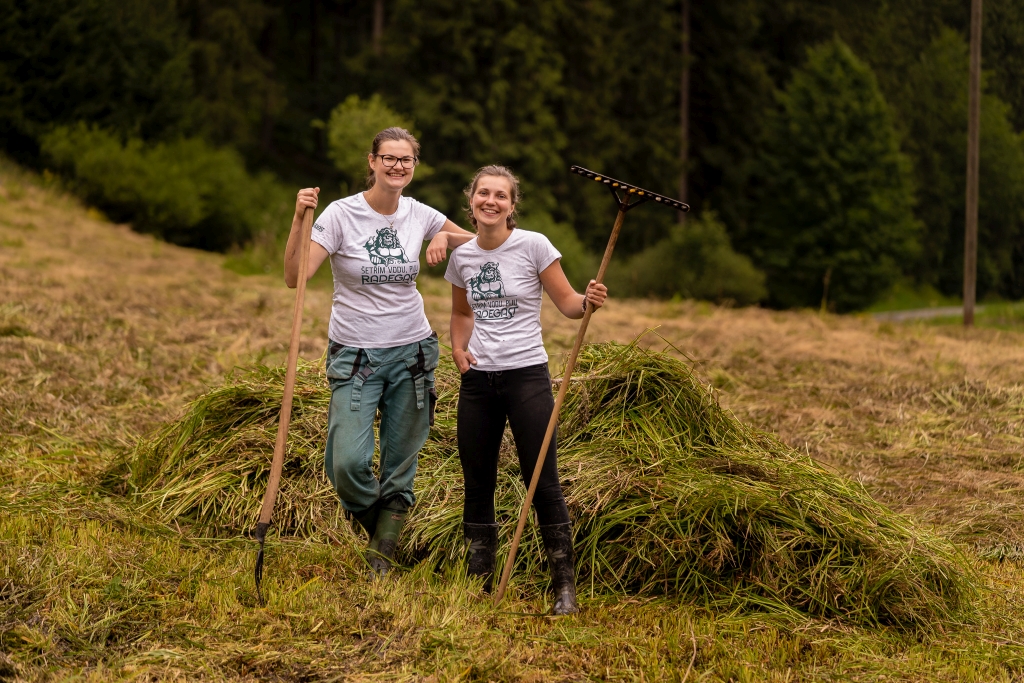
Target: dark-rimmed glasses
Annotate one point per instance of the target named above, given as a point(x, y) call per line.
point(389, 160)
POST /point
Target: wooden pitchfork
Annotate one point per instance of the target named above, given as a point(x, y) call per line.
point(274, 482)
point(631, 196)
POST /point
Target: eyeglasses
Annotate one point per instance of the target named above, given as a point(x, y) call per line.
point(390, 160)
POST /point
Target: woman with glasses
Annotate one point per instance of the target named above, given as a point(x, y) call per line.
point(382, 353)
point(498, 279)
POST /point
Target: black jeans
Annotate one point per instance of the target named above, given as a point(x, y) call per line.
point(486, 400)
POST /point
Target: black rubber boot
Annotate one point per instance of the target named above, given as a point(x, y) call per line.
point(381, 551)
point(558, 543)
point(482, 546)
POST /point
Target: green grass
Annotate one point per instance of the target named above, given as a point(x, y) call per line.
point(1003, 315)
point(905, 296)
point(92, 589)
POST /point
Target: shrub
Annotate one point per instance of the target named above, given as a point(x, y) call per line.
point(350, 132)
point(695, 261)
point(185, 191)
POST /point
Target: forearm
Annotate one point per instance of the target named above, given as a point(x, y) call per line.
point(461, 330)
point(571, 306)
point(457, 239)
point(292, 255)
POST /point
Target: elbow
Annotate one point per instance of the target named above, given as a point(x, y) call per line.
point(291, 282)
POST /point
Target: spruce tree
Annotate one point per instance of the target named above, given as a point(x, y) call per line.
point(836, 221)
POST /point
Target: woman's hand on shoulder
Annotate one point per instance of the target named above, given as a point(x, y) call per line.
point(596, 294)
point(437, 250)
point(464, 360)
point(306, 199)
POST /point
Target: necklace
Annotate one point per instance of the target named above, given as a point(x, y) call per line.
point(391, 221)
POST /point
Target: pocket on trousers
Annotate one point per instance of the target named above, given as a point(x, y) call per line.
point(342, 363)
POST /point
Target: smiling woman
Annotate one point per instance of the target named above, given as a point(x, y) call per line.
point(382, 353)
point(498, 280)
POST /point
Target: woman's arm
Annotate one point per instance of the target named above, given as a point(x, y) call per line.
point(461, 329)
point(565, 297)
point(451, 236)
point(317, 254)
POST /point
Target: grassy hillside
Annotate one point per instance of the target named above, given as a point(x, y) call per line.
point(105, 335)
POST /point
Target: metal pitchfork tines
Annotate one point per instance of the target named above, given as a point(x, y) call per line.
point(631, 196)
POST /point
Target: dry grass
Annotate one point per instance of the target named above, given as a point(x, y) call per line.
point(670, 495)
point(105, 335)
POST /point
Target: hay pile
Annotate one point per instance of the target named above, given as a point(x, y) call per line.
point(670, 494)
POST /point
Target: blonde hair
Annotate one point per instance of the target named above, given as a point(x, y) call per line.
point(500, 172)
point(393, 134)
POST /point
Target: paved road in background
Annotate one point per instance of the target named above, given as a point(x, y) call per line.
point(923, 313)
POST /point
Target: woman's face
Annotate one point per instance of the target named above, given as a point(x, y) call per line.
point(492, 201)
point(397, 176)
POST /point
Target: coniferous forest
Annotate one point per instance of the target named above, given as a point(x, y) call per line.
point(822, 144)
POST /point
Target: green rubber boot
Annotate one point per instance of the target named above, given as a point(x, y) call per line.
point(365, 520)
point(381, 551)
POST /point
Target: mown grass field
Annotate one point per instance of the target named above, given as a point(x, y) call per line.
point(106, 334)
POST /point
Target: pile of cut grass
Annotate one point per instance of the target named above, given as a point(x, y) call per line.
point(669, 492)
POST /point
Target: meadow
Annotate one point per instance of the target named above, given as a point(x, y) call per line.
point(107, 336)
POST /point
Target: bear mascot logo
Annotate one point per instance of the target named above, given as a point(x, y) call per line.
point(385, 249)
point(487, 285)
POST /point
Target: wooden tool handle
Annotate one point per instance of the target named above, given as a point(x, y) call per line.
point(553, 421)
point(289, 379)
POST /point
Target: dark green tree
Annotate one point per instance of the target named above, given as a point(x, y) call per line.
point(481, 81)
point(934, 115)
point(124, 66)
point(836, 219)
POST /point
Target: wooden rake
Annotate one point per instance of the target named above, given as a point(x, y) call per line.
point(270, 497)
point(626, 197)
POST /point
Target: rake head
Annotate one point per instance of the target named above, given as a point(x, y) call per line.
point(631, 194)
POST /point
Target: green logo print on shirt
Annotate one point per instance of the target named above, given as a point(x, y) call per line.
point(487, 285)
point(390, 264)
point(385, 249)
point(490, 301)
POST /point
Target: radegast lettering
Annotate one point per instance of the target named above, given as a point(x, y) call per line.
point(401, 273)
point(496, 309)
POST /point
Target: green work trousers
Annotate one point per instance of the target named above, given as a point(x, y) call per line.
point(399, 383)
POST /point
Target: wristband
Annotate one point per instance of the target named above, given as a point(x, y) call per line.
point(584, 304)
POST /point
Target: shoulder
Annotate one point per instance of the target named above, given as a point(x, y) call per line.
point(465, 252)
point(342, 207)
point(410, 204)
point(533, 239)
point(416, 207)
point(353, 202)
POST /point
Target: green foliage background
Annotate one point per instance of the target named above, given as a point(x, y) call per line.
point(836, 191)
point(539, 86)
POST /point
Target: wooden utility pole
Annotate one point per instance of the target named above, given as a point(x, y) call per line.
point(684, 108)
point(973, 130)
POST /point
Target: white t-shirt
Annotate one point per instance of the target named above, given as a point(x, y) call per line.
point(504, 290)
point(375, 265)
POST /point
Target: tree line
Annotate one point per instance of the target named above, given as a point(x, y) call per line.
point(825, 141)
